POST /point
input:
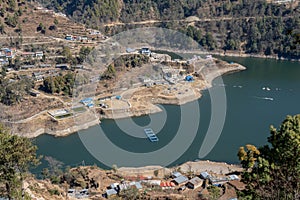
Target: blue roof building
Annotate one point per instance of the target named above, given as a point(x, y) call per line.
point(189, 78)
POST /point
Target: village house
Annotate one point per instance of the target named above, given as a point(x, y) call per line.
point(145, 51)
point(28, 54)
point(204, 175)
point(39, 54)
point(45, 65)
point(194, 183)
point(24, 67)
point(110, 193)
point(63, 66)
point(6, 53)
point(181, 180)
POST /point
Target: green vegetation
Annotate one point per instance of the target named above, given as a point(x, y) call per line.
point(124, 62)
point(59, 84)
point(41, 28)
point(12, 92)
point(214, 192)
point(83, 53)
point(273, 171)
point(254, 27)
point(17, 154)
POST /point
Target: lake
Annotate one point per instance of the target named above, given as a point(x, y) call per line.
point(256, 98)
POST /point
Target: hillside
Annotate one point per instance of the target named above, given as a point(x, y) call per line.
point(252, 27)
point(27, 22)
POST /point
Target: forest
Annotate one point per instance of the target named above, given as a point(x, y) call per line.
point(253, 27)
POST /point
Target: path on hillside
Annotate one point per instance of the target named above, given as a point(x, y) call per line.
point(195, 19)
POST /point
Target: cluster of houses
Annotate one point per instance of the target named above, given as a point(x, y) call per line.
point(8, 53)
point(179, 182)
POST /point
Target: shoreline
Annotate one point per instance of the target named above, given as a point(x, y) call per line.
point(85, 122)
point(195, 166)
point(245, 55)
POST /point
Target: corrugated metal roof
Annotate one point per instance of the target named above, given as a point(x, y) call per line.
point(111, 192)
point(181, 179)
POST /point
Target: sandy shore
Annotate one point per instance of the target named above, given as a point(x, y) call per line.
point(195, 167)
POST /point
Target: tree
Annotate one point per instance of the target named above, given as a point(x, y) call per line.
point(66, 52)
point(17, 155)
point(41, 28)
point(274, 172)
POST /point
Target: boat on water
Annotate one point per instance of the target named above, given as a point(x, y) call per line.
point(151, 135)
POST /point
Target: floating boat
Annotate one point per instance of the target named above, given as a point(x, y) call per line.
point(151, 135)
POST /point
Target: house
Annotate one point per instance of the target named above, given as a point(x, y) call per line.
point(233, 177)
point(69, 37)
point(136, 185)
point(9, 69)
point(39, 78)
point(218, 181)
point(181, 180)
point(123, 186)
point(82, 194)
point(130, 50)
point(71, 192)
point(113, 185)
point(27, 66)
point(78, 67)
point(110, 193)
point(189, 78)
point(176, 174)
point(39, 54)
point(84, 38)
point(34, 93)
point(145, 51)
point(204, 175)
point(194, 183)
point(63, 66)
point(6, 53)
point(152, 182)
point(45, 65)
point(88, 102)
point(209, 57)
point(28, 54)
